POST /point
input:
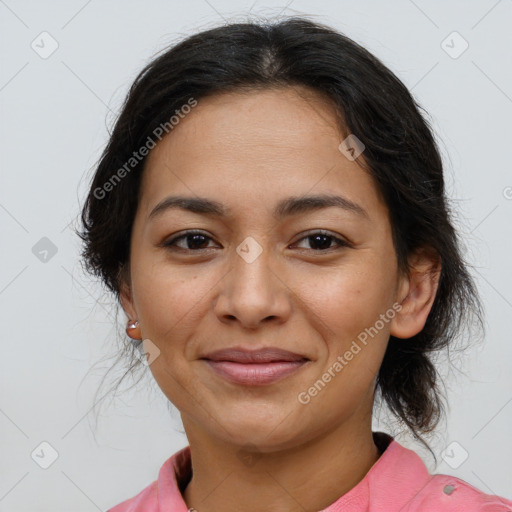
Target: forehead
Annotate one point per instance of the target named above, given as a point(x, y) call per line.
point(257, 145)
point(291, 119)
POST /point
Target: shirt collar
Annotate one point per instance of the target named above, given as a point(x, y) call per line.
point(393, 480)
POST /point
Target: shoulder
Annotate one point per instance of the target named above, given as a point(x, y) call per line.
point(165, 492)
point(448, 493)
point(401, 479)
point(146, 500)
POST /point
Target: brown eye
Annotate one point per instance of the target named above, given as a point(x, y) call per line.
point(321, 241)
point(193, 241)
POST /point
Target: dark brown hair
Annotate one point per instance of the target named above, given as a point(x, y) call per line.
point(400, 154)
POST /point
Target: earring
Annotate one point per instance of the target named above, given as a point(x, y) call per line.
point(133, 330)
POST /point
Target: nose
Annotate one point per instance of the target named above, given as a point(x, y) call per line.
point(252, 293)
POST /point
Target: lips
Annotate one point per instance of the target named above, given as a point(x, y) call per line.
point(264, 355)
point(254, 367)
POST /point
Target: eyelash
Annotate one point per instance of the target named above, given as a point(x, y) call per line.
point(171, 244)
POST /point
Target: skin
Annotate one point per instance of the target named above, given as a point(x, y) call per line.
point(248, 152)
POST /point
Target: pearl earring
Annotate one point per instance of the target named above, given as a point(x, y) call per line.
point(133, 330)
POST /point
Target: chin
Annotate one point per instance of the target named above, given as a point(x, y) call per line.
point(258, 436)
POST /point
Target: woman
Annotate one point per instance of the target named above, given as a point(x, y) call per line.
point(270, 213)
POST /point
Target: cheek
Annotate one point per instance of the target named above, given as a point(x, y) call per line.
point(170, 310)
point(344, 308)
point(345, 301)
point(169, 301)
point(346, 305)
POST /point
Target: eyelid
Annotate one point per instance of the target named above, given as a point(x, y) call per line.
point(170, 242)
point(338, 239)
point(342, 242)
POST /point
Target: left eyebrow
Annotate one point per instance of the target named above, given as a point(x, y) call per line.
point(305, 204)
point(285, 208)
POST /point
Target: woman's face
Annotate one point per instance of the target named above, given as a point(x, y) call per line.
point(257, 277)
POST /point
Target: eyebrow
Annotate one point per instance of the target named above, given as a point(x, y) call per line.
point(285, 208)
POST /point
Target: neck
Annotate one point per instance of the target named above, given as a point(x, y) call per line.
point(307, 477)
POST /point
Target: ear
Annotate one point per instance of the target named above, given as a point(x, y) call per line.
point(126, 296)
point(416, 293)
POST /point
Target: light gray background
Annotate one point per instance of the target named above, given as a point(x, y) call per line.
point(57, 325)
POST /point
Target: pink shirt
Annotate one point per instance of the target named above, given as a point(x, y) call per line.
point(398, 482)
